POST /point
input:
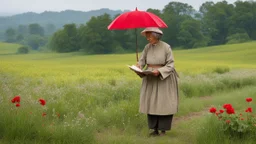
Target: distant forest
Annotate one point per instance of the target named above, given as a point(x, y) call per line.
point(214, 24)
point(52, 19)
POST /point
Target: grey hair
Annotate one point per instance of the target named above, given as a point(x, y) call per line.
point(158, 36)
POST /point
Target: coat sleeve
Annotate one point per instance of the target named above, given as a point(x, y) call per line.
point(166, 70)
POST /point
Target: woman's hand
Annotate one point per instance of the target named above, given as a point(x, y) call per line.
point(156, 73)
point(140, 74)
point(138, 65)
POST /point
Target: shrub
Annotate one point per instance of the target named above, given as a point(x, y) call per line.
point(23, 50)
point(221, 70)
point(238, 38)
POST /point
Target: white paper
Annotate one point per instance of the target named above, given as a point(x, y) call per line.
point(136, 69)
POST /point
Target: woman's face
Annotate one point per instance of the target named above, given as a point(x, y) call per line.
point(151, 39)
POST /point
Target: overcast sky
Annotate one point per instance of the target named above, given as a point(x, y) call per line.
point(19, 6)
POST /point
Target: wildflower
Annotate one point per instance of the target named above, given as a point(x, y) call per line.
point(229, 108)
point(213, 110)
point(248, 99)
point(44, 114)
point(42, 102)
point(16, 99)
point(221, 111)
point(227, 121)
point(230, 111)
point(58, 115)
point(249, 109)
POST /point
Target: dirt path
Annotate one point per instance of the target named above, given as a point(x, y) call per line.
point(192, 115)
point(189, 116)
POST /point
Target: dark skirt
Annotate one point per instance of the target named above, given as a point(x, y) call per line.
point(160, 122)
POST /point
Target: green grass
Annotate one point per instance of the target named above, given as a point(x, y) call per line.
point(8, 49)
point(74, 66)
point(97, 96)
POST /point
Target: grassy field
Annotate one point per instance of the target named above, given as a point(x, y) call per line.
point(94, 99)
point(8, 49)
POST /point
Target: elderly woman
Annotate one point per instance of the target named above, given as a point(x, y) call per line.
point(159, 91)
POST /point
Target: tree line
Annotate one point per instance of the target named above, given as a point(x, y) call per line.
point(32, 35)
point(214, 24)
point(46, 18)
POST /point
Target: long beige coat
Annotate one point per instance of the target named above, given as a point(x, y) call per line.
point(159, 95)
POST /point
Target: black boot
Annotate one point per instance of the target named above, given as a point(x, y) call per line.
point(162, 133)
point(154, 133)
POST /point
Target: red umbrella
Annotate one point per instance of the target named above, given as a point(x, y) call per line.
point(136, 19)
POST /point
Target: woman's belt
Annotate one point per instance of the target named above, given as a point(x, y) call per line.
point(159, 66)
point(154, 66)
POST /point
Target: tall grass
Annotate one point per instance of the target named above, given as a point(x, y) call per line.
point(211, 132)
point(207, 84)
point(97, 94)
point(86, 107)
point(27, 124)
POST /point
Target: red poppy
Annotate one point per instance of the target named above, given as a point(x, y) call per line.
point(242, 118)
point(226, 106)
point(248, 99)
point(16, 99)
point(212, 110)
point(230, 110)
point(221, 111)
point(17, 105)
point(42, 102)
point(249, 110)
point(227, 121)
point(58, 115)
point(44, 114)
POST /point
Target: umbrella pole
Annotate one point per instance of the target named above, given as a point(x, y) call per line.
point(137, 57)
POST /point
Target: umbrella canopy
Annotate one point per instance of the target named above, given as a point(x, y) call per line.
point(136, 19)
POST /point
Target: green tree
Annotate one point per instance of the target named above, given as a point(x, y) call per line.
point(23, 30)
point(95, 37)
point(190, 35)
point(122, 40)
point(66, 40)
point(216, 21)
point(244, 18)
point(155, 11)
point(59, 42)
point(36, 29)
point(50, 29)
point(10, 35)
point(35, 41)
point(238, 38)
point(174, 14)
point(73, 39)
point(19, 37)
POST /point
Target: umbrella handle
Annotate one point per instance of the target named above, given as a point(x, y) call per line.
point(137, 57)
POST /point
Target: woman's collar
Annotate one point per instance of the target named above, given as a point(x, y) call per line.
point(155, 44)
